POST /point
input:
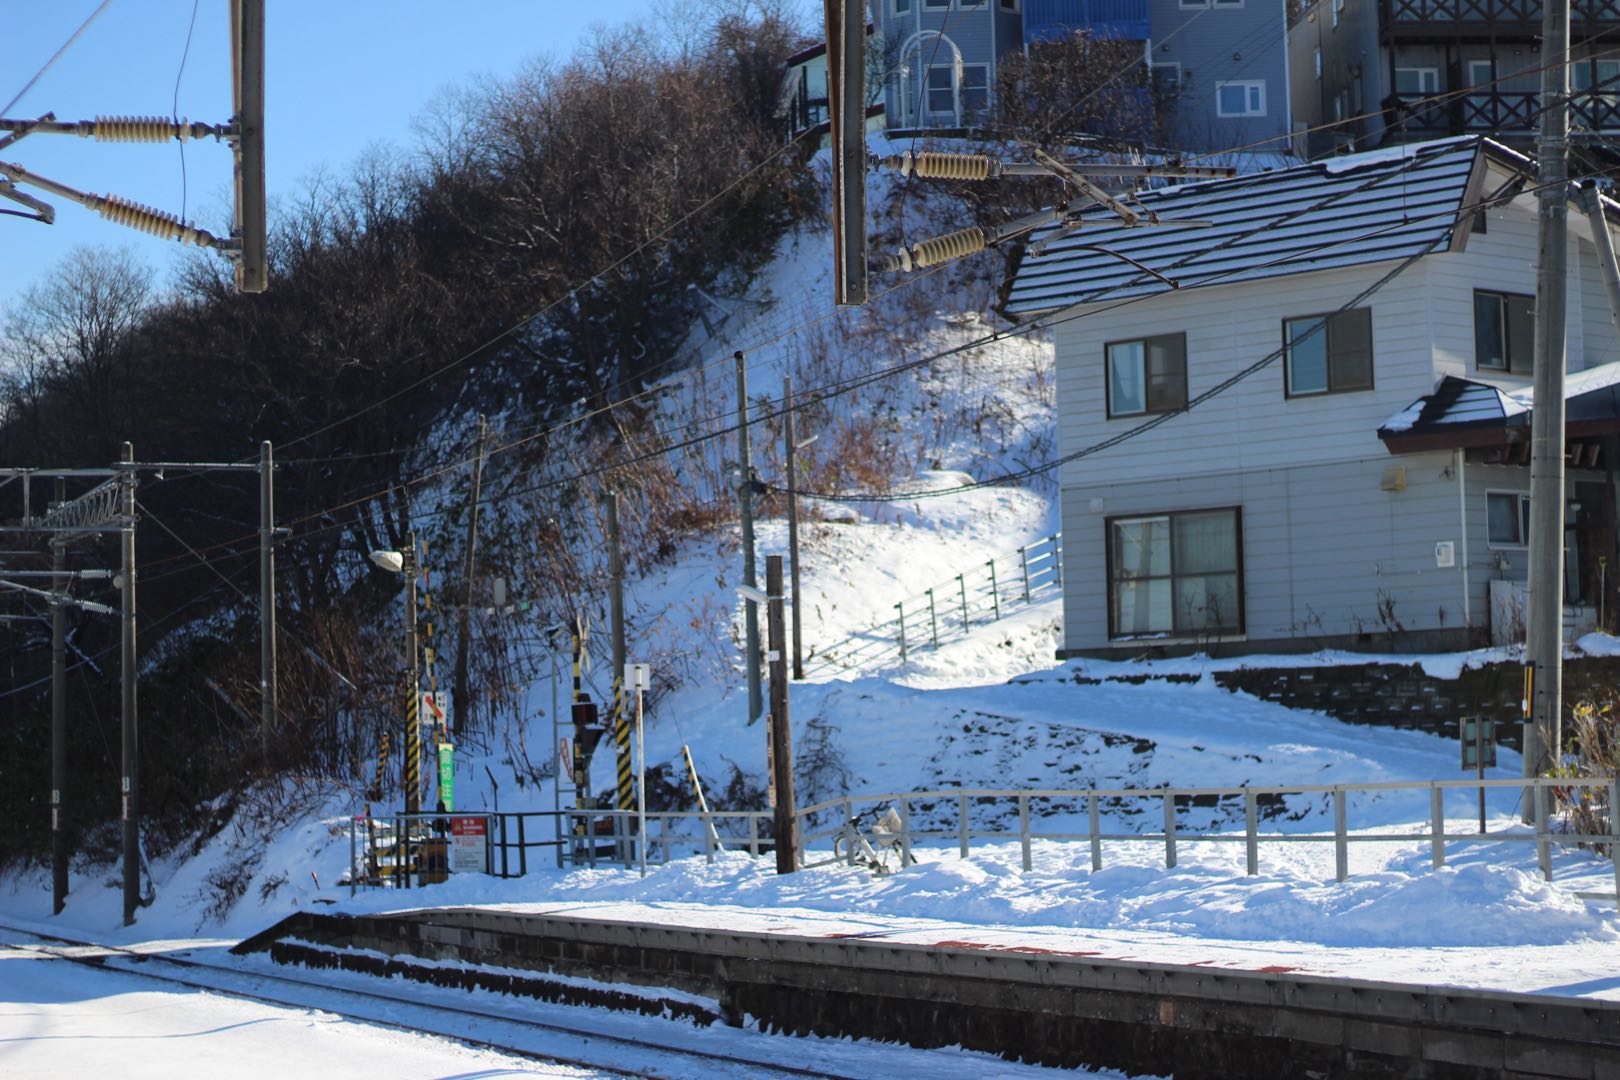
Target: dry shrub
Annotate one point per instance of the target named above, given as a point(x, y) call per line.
point(1593, 751)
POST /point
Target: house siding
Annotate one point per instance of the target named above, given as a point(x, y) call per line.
point(1220, 44)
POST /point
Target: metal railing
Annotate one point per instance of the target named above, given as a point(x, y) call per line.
point(607, 837)
point(979, 595)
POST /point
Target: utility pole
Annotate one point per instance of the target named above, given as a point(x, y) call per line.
point(587, 733)
point(618, 714)
point(745, 502)
point(127, 664)
point(459, 704)
point(59, 844)
point(781, 730)
point(267, 600)
point(1545, 648)
point(793, 524)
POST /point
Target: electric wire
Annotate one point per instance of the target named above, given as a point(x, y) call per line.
point(174, 109)
point(57, 55)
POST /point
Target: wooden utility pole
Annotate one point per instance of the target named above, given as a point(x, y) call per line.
point(127, 714)
point(267, 600)
point(781, 729)
point(745, 502)
point(1545, 647)
point(618, 712)
point(458, 703)
point(59, 843)
point(793, 524)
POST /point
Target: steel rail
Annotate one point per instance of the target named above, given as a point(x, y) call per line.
point(99, 963)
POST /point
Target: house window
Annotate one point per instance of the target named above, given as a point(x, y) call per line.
point(1598, 76)
point(1175, 574)
point(1417, 81)
point(1009, 5)
point(975, 90)
point(1195, 3)
point(1504, 332)
point(941, 90)
point(1327, 354)
point(902, 7)
point(1148, 375)
point(1228, 3)
point(1245, 98)
point(1166, 78)
point(1507, 518)
point(936, 4)
point(966, 5)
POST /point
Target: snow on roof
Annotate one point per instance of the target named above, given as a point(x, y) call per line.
point(1576, 383)
point(1456, 401)
point(1362, 208)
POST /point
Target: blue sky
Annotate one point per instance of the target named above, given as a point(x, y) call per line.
point(341, 75)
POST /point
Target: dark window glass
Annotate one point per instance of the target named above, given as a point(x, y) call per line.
point(1175, 574)
point(1147, 376)
point(1504, 332)
point(1329, 353)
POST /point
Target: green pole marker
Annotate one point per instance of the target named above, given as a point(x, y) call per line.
point(447, 782)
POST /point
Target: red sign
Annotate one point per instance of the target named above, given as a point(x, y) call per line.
point(468, 849)
point(469, 826)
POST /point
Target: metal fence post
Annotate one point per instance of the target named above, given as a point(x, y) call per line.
point(995, 592)
point(900, 617)
point(1341, 845)
point(1094, 831)
point(905, 832)
point(1023, 563)
point(708, 846)
point(1251, 832)
point(1543, 852)
point(962, 823)
point(1437, 826)
point(1057, 559)
point(523, 851)
point(753, 834)
point(1023, 828)
point(1614, 833)
point(354, 867)
point(933, 618)
point(961, 588)
point(1169, 831)
point(663, 838)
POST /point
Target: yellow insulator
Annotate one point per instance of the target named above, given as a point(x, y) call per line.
point(938, 166)
point(140, 129)
point(146, 219)
point(950, 246)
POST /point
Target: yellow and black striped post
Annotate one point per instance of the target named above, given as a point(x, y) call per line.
point(382, 768)
point(621, 746)
point(413, 749)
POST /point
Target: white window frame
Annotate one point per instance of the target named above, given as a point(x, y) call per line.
point(900, 7)
point(1143, 376)
point(1428, 75)
point(1522, 520)
point(1250, 86)
point(1168, 65)
point(928, 91)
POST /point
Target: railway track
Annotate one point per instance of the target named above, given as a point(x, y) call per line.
point(606, 1052)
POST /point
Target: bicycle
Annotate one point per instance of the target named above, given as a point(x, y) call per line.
point(872, 845)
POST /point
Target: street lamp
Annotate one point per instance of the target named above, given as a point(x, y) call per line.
point(396, 562)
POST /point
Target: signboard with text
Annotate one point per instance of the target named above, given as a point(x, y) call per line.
point(469, 848)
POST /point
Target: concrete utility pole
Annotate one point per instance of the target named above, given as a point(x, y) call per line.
point(267, 599)
point(459, 704)
point(127, 663)
point(59, 844)
point(781, 730)
point(745, 501)
point(793, 524)
point(1545, 647)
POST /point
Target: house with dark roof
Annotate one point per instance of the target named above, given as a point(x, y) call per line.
point(1294, 407)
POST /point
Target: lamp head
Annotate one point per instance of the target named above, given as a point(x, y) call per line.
point(392, 561)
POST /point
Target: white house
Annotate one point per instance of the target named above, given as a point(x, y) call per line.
point(1306, 426)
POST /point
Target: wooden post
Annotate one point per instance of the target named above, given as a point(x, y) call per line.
point(781, 730)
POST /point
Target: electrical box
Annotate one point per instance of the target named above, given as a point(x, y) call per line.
point(1445, 554)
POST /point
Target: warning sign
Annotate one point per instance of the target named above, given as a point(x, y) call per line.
point(469, 850)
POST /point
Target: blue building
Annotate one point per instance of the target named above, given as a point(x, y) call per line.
point(1220, 66)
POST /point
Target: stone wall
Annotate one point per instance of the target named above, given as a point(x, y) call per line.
point(1403, 696)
